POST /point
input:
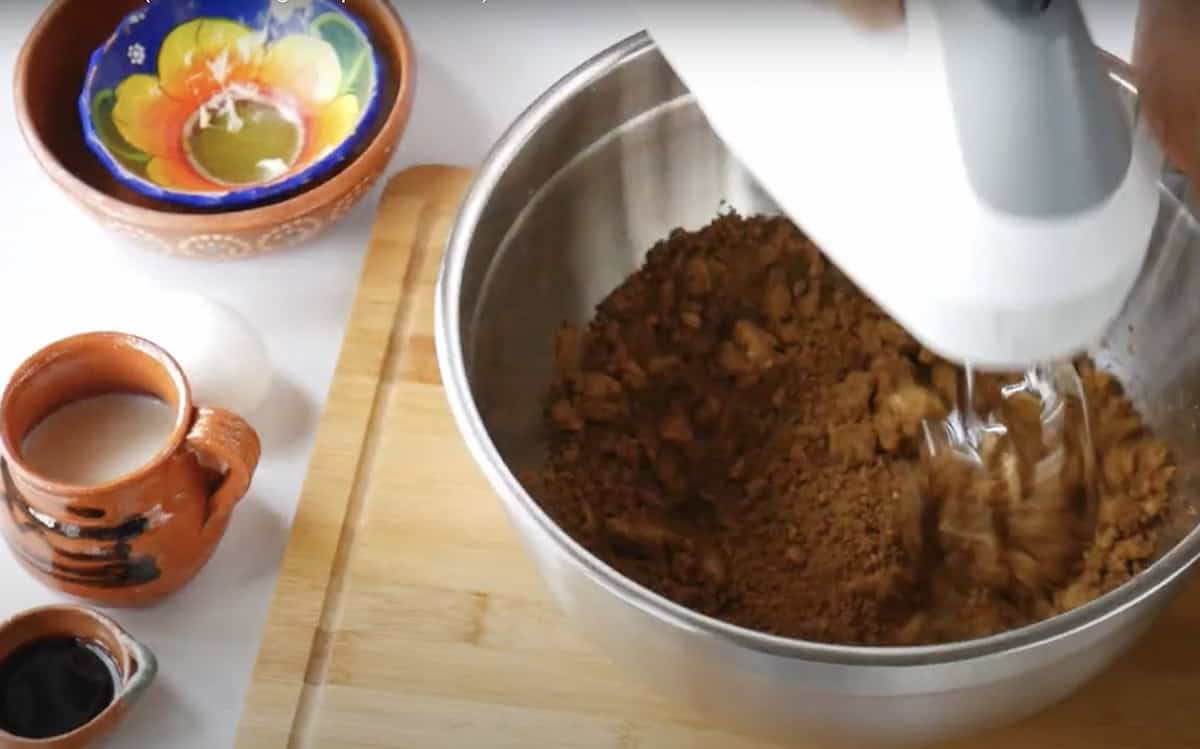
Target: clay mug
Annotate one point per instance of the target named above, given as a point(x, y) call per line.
point(134, 665)
point(142, 536)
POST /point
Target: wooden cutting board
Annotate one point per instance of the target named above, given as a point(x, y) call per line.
point(406, 615)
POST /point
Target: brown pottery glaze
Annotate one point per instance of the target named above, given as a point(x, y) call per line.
point(135, 665)
point(49, 78)
point(140, 537)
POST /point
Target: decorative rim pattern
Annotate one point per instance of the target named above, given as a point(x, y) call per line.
point(213, 247)
point(290, 233)
point(145, 237)
point(351, 198)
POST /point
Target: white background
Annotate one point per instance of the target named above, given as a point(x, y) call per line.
point(478, 65)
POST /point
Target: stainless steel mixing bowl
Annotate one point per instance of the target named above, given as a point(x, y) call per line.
point(608, 161)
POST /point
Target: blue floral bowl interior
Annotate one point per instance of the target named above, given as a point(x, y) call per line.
point(227, 103)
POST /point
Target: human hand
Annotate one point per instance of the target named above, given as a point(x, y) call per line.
point(1166, 59)
point(873, 14)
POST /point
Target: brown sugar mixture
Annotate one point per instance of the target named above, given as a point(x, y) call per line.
point(744, 432)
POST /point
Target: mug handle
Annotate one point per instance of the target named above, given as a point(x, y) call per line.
point(228, 439)
point(146, 668)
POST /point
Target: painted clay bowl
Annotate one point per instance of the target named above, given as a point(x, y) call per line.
point(51, 69)
point(224, 103)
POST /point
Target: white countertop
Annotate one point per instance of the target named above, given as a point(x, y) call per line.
point(478, 65)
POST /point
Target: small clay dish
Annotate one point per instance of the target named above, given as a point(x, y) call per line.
point(225, 103)
point(51, 70)
point(130, 664)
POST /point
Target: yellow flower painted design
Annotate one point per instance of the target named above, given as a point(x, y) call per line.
point(227, 109)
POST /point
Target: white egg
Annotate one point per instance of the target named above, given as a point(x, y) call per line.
point(223, 356)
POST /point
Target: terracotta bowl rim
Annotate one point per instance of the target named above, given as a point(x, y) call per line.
point(233, 220)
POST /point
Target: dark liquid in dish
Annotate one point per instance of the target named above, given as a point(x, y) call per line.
point(54, 685)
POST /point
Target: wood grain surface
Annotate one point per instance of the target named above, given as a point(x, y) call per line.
point(406, 614)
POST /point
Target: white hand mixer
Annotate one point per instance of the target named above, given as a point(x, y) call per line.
point(971, 168)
